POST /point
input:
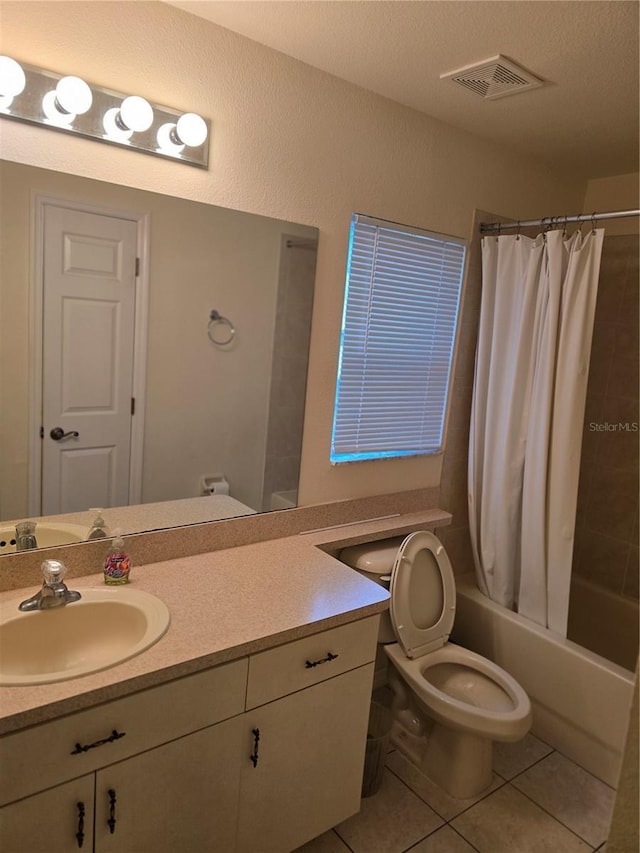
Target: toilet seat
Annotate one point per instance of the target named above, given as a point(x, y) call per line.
point(468, 714)
point(423, 595)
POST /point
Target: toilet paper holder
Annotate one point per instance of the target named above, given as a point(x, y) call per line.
point(214, 484)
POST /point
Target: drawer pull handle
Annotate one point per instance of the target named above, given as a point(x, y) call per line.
point(256, 741)
point(311, 663)
point(80, 832)
point(115, 735)
point(111, 823)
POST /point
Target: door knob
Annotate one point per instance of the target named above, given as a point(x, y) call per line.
point(57, 433)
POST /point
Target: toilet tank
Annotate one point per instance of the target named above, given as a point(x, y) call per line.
point(375, 561)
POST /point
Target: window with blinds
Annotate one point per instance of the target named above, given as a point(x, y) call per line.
point(398, 331)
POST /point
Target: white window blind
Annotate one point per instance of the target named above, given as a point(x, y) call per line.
point(398, 331)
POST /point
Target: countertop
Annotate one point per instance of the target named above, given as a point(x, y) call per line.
point(224, 605)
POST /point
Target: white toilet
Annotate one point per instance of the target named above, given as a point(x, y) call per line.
point(450, 704)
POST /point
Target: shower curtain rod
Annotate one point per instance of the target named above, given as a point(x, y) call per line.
point(550, 221)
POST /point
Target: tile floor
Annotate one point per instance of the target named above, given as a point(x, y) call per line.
point(539, 802)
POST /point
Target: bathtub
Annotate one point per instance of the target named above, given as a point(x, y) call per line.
point(581, 701)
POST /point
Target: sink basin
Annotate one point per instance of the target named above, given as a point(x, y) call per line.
point(49, 535)
point(107, 626)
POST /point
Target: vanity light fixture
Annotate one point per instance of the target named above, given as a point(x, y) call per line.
point(70, 104)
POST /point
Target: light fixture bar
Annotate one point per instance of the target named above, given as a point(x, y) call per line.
point(125, 120)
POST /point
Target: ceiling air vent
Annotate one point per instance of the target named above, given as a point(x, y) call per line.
point(494, 78)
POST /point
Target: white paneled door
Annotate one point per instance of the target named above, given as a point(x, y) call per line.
point(89, 279)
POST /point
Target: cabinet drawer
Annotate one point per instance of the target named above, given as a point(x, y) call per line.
point(46, 755)
point(294, 666)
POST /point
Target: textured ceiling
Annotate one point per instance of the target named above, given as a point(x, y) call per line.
point(584, 119)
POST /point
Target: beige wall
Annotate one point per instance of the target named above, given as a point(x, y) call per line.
point(290, 142)
point(200, 257)
point(620, 192)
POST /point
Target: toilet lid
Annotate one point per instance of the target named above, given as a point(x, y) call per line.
point(423, 595)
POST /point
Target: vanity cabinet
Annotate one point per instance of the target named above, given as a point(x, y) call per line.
point(308, 771)
point(258, 755)
point(179, 797)
point(309, 705)
point(174, 775)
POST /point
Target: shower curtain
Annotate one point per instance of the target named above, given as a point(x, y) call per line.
point(532, 364)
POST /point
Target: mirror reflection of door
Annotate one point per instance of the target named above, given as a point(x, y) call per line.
point(200, 409)
point(89, 281)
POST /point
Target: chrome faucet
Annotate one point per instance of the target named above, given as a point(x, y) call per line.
point(26, 536)
point(54, 592)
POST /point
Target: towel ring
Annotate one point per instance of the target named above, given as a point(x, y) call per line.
point(216, 319)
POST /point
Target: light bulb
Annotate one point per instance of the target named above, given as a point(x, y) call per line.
point(53, 113)
point(135, 114)
point(70, 98)
point(191, 129)
point(12, 80)
point(166, 137)
point(73, 95)
point(112, 126)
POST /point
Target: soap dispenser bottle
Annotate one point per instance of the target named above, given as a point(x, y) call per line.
point(117, 564)
point(98, 529)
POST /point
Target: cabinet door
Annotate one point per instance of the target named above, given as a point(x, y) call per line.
point(59, 820)
point(308, 763)
point(182, 796)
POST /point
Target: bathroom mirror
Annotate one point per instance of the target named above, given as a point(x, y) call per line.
point(223, 402)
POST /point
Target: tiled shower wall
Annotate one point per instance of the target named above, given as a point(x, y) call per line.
point(289, 368)
point(606, 543)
